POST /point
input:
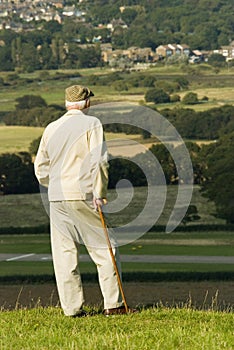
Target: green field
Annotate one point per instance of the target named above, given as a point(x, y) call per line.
point(17, 138)
point(151, 329)
point(28, 211)
point(189, 244)
point(203, 81)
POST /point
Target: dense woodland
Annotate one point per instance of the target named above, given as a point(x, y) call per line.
point(201, 24)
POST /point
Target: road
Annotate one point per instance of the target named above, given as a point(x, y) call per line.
point(178, 259)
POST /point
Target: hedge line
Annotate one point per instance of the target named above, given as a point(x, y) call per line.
point(45, 229)
point(129, 277)
point(25, 229)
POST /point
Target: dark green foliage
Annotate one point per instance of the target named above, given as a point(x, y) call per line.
point(37, 116)
point(6, 63)
point(182, 276)
point(217, 60)
point(182, 82)
point(190, 98)
point(32, 110)
point(219, 186)
point(17, 174)
point(30, 101)
point(33, 148)
point(207, 125)
point(157, 95)
point(191, 215)
point(121, 168)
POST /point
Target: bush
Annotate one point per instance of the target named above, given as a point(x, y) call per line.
point(190, 98)
point(157, 95)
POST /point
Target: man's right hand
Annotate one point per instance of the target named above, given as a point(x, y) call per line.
point(99, 202)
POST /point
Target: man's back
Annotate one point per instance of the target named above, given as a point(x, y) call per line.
point(73, 148)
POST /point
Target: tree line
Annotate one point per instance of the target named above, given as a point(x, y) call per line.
point(32, 110)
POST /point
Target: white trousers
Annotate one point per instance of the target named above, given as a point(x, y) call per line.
point(74, 223)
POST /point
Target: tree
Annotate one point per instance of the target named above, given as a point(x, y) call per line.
point(216, 60)
point(190, 216)
point(29, 57)
point(30, 101)
point(128, 15)
point(17, 174)
point(34, 145)
point(157, 95)
point(6, 63)
point(166, 161)
point(125, 169)
point(219, 186)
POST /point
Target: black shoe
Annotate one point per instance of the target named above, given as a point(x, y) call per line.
point(119, 311)
point(81, 313)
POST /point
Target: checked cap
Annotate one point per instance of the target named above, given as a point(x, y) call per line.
point(77, 93)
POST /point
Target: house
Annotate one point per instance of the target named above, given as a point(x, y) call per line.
point(164, 51)
point(137, 54)
point(227, 51)
point(134, 54)
point(57, 4)
point(185, 50)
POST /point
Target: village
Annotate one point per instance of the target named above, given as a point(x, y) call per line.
point(21, 16)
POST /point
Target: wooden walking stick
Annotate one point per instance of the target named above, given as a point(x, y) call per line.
point(112, 256)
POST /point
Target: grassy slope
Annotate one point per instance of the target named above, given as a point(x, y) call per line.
point(17, 138)
point(154, 328)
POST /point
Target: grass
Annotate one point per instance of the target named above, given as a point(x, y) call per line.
point(157, 328)
point(159, 244)
point(189, 244)
point(27, 210)
point(206, 83)
point(17, 138)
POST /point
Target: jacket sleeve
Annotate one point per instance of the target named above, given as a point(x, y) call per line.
point(99, 162)
point(41, 164)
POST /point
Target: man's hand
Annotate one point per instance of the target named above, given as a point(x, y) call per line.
point(99, 202)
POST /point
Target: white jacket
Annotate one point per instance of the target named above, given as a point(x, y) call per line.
point(72, 158)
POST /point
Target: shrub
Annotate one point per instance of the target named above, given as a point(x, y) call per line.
point(157, 95)
point(190, 98)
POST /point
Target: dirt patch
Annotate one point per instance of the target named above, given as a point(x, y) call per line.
point(218, 295)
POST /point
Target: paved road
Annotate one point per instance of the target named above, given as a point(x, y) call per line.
point(181, 259)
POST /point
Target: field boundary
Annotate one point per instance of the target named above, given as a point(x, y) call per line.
point(42, 229)
point(180, 276)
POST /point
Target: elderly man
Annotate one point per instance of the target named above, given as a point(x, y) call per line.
point(72, 162)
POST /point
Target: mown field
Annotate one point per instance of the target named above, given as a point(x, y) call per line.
point(17, 138)
point(151, 329)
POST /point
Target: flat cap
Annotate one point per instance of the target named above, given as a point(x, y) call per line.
point(77, 93)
